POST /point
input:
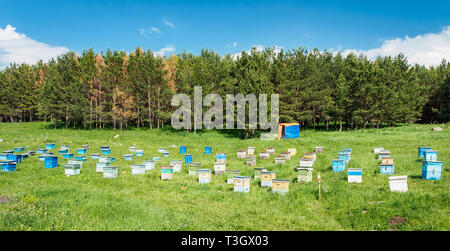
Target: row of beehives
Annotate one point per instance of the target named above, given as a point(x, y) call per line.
point(354, 175)
point(9, 159)
point(387, 167)
point(250, 157)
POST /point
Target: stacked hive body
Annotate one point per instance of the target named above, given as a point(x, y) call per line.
point(257, 172)
point(204, 176)
point(266, 178)
point(166, 172)
point(176, 164)
point(250, 160)
point(150, 165)
point(231, 174)
point(221, 157)
point(193, 168)
point(219, 168)
point(208, 150)
point(354, 175)
point(241, 184)
point(344, 157)
point(241, 154)
point(305, 167)
point(110, 172)
point(280, 186)
point(138, 169)
point(398, 183)
point(431, 167)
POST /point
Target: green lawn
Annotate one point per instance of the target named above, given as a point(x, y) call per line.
point(36, 198)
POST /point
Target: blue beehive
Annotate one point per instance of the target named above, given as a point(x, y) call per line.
point(63, 151)
point(166, 154)
point(422, 151)
point(188, 158)
point(128, 156)
point(431, 170)
point(80, 158)
point(81, 151)
point(15, 157)
point(7, 166)
point(95, 156)
point(183, 149)
point(347, 150)
point(41, 151)
point(3, 156)
point(430, 155)
point(51, 162)
point(105, 150)
point(139, 153)
point(19, 149)
point(50, 146)
point(387, 169)
point(344, 156)
point(8, 151)
point(338, 165)
point(156, 158)
point(208, 150)
point(67, 155)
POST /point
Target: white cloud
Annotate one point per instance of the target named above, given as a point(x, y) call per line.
point(145, 32)
point(428, 49)
point(18, 48)
point(235, 44)
point(168, 49)
point(168, 23)
point(154, 29)
point(259, 48)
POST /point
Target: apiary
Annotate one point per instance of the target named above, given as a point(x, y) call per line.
point(280, 186)
point(286, 155)
point(176, 164)
point(251, 150)
point(110, 172)
point(193, 168)
point(241, 154)
point(231, 174)
point(267, 177)
point(71, 169)
point(149, 165)
point(304, 174)
point(219, 168)
point(250, 160)
point(257, 172)
point(279, 160)
point(241, 184)
point(166, 172)
point(398, 183)
point(292, 151)
point(204, 176)
point(354, 175)
point(137, 169)
point(264, 155)
point(338, 165)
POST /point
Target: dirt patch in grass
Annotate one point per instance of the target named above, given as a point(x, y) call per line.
point(397, 220)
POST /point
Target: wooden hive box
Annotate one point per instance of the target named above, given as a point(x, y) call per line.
point(132, 149)
point(221, 157)
point(192, 168)
point(231, 174)
point(208, 150)
point(267, 177)
point(286, 155)
point(137, 169)
point(187, 158)
point(377, 150)
point(387, 169)
point(280, 186)
point(76, 162)
point(204, 176)
point(139, 153)
point(250, 160)
point(149, 165)
point(344, 156)
point(318, 149)
point(241, 184)
point(41, 151)
point(279, 160)
point(81, 158)
point(19, 149)
point(183, 150)
point(95, 156)
point(422, 150)
point(63, 151)
point(304, 174)
point(251, 150)
point(105, 150)
point(292, 151)
point(398, 183)
point(50, 146)
point(306, 162)
point(219, 168)
point(67, 155)
point(311, 155)
point(166, 172)
point(71, 169)
point(387, 161)
point(128, 157)
point(270, 150)
point(3, 156)
point(7, 166)
point(432, 170)
point(156, 158)
point(51, 162)
point(101, 165)
point(264, 155)
point(241, 154)
point(257, 172)
point(338, 165)
point(81, 151)
point(384, 154)
point(431, 155)
point(110, 172)
point(162, 150)
point(176, 165)
point(166, 154)
point(354, 175)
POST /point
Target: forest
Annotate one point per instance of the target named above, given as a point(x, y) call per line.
point(119, 90)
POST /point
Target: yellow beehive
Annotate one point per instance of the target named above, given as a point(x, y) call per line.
point(387, 161)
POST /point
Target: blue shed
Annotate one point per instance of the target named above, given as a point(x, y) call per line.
point(288, 131)
point(338, 165)
point(431, 170)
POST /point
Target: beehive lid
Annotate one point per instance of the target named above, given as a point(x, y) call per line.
point(392, 178)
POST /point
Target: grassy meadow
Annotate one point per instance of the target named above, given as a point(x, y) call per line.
point(36, 198)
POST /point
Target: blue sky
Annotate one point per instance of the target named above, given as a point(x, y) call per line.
point(223, 26)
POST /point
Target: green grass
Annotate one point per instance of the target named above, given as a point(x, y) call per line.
point(45, 199)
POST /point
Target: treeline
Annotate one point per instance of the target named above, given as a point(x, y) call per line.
point(118, 89)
